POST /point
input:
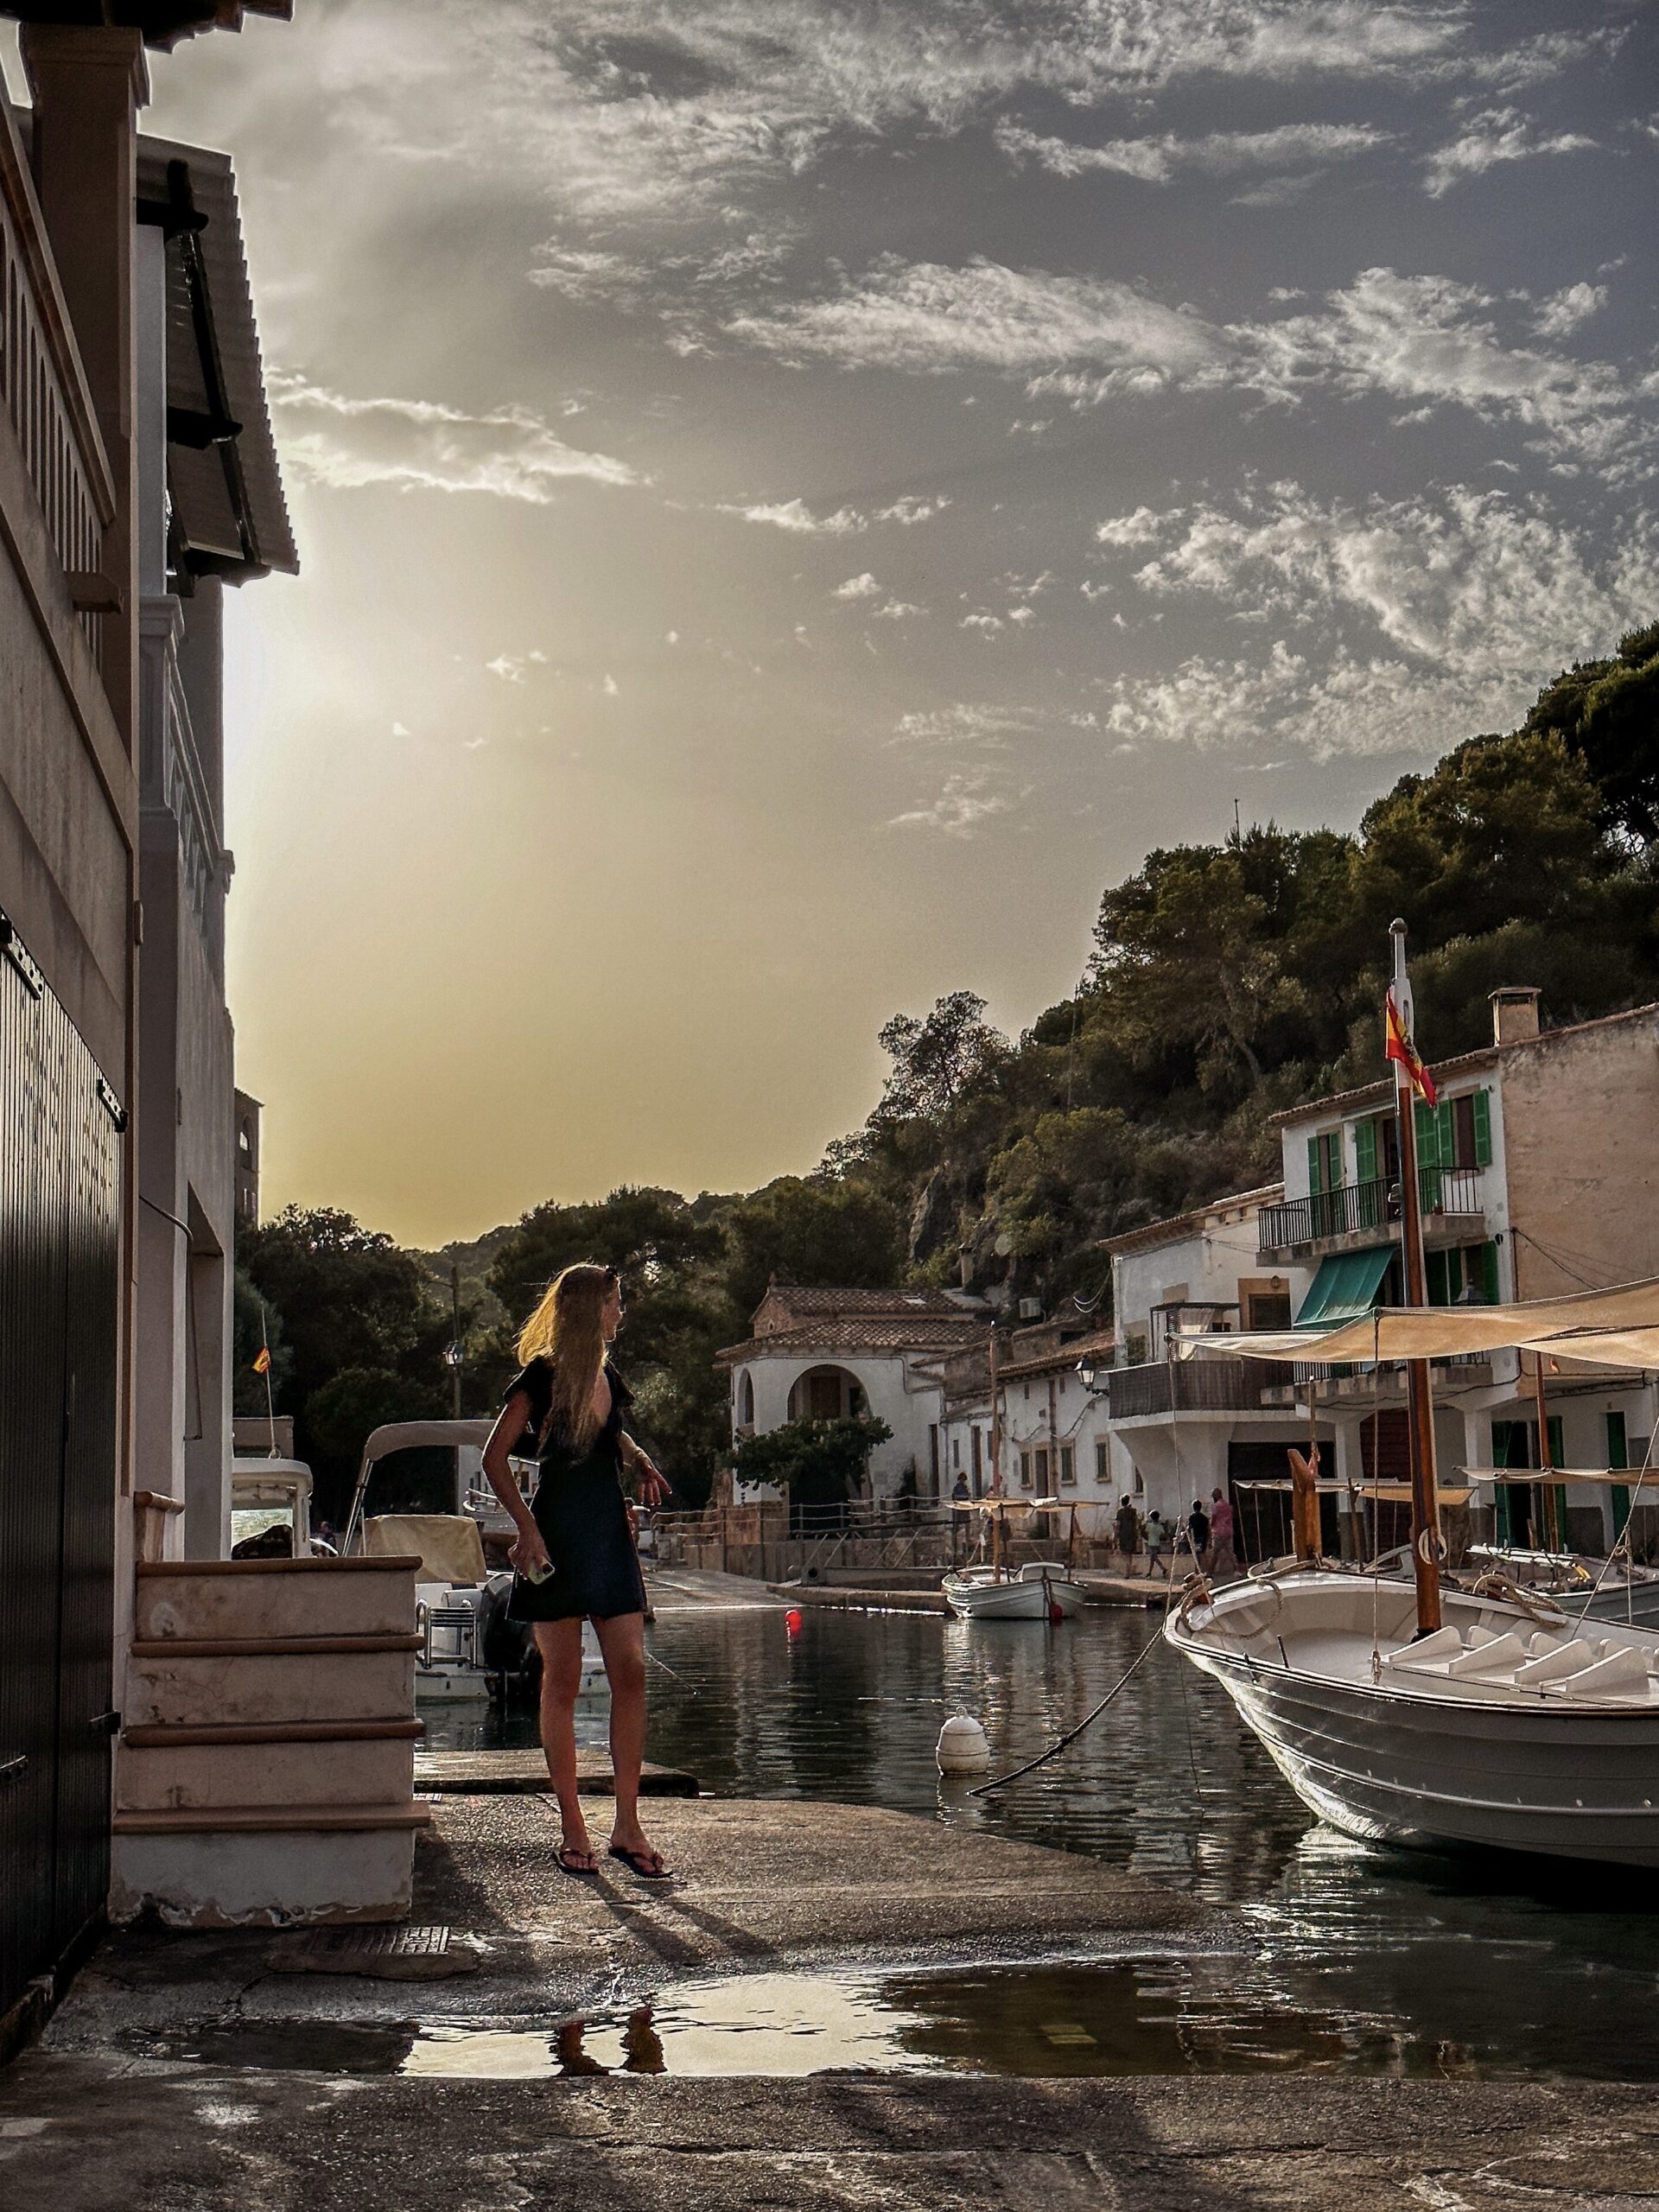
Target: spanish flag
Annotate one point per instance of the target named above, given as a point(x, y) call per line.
point(261, 1360)
point(1398, 1045)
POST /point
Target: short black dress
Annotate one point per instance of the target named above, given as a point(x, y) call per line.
point(582, 1513)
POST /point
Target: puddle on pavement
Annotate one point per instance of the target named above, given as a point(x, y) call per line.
point(1127, 2016)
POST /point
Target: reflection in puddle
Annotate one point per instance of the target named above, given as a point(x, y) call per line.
point(1126, 2017)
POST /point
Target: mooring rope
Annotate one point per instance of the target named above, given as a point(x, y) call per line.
point(1072, 1734)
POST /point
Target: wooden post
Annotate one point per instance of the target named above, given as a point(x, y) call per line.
point(1553, 1535)
point(1305, 1504)
point(1425, 1492)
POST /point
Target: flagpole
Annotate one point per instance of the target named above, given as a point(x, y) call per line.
point(270, 1403)
point(1427, 1546)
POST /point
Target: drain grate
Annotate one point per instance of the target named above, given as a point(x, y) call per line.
point(334, 1946)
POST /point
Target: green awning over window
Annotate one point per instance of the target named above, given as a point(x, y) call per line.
point(1345, 1288)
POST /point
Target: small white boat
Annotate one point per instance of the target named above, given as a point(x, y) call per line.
point(1511, 1727)
point(1037, 1591)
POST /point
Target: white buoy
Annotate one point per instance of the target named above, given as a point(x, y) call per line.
point(962, 1747)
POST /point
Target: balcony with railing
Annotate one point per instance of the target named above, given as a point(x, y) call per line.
point(1358, 1212)
point(44, 405)
point(1203, 1384)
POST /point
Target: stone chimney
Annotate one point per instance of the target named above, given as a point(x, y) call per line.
point(1515, 1013)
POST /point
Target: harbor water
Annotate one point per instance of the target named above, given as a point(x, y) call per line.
point(1341, 1955)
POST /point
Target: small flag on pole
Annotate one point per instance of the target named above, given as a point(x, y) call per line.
point(261, 1360)
point(1398, 1045)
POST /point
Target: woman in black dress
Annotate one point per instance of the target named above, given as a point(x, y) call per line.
point(574, 1553)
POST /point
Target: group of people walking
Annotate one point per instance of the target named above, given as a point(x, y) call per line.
point(1208, 1535)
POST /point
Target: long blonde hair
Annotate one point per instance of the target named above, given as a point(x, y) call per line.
point(567, 1331)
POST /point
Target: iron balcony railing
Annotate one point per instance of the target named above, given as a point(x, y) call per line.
point(1201, 1384)
point(1363, 1206)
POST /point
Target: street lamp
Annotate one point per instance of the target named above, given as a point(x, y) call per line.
point(1092, 1376)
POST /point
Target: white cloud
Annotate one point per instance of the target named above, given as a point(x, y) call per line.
point(1565, 310)
point(1218, 153)
point(796, 515)
point(967, 801)
point(910, 509)
point(926, 317)
point(1497, 134)
point(609, 687)
point(966, 722)
point(398, 730)
point(1455, 609)
point(509, 669)
point(897, 610)
point(1138, 529)
point(1432, 341)
point(987, 625)
point(864, 587)
point(648, 109)
point(419, 445)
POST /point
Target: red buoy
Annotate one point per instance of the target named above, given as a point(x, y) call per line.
point(793, 1621)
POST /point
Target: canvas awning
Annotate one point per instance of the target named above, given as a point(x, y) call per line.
point(1344, 1288)
point(1608, 1328)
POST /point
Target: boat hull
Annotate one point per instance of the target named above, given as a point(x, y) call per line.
point(1422, 1771)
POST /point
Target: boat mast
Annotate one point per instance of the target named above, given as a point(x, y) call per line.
point(996, 1457)
point(1426, 1543)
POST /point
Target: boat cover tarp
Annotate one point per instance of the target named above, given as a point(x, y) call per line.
point(1344, 1288)
point(1609, 1328)
point(449, 1545)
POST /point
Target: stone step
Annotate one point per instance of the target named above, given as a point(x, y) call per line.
point(274, 1597)
point(251, 1865)
point(233, 1681)
point(172, 1769)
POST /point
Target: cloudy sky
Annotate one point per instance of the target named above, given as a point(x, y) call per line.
point(795, 497)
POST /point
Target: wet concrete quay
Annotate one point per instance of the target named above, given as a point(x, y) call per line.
point(551, 2055)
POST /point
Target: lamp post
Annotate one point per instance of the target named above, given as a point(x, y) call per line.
point(453, 1355)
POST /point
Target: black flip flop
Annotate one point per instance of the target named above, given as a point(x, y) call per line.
point(576, 1873)
point(638, 1862)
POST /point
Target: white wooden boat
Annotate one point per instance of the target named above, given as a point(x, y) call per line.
point(1507, 1727)
point(1033, 1592)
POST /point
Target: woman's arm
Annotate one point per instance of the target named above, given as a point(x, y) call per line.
point(653, 1486)
point(528, 1551)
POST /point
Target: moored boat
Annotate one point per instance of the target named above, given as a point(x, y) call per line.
point(1507, 1727)
point(1037, 1591)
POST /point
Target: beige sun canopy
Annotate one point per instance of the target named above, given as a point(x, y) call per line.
point(1608, 1328)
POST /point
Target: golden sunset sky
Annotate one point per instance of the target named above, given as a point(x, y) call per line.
point(793, 499)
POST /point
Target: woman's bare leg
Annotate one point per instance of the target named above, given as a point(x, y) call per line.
point(560, 1645)
point(622, 1640)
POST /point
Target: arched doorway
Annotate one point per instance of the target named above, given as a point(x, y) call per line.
point(827, 1394)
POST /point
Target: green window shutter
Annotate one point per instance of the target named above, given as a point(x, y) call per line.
point(1618, 1450)
point(1434, 1269)
point(1483, 1128)
point(1315, 1167)
point(1445, 1135)
point(1488, 1256)
point(1428, 1141)
point(1557, 1449)
point(1365, 1151)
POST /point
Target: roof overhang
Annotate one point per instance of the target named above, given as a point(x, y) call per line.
point(163, 24)
point(228, 517)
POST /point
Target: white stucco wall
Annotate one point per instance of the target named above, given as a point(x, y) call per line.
point(906, 1407)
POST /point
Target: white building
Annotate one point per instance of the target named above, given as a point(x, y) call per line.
point(1179, 1429)
point(1539, 1174)
point(1054, 1440)
point(825, 1354)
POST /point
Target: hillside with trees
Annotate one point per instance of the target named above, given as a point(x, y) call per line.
point(1225, 982)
